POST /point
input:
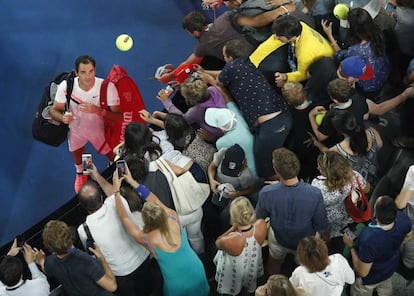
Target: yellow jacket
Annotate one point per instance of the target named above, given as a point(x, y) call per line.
point(310, 47)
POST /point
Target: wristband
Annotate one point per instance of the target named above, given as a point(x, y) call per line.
point(116, 191)
point(143, 191)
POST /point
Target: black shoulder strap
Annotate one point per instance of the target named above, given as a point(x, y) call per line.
point(87, 231)
point(70, 80)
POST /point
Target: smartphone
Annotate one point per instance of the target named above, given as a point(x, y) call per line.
point(90, 243)
point(20, 240)
point(390, 8)
point(350, 233)
point(169, 90)
point(86, 163)
point(120, 167)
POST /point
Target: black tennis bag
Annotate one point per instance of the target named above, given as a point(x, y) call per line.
point(44, 128)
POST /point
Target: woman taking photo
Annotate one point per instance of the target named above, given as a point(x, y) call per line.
point(198, 97)
point(239, 258)
point(182, 270)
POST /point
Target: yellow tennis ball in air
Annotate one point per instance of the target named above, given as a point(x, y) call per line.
point(340, 11)
point(124, 42)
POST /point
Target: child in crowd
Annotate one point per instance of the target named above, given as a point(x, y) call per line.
point(229, 170)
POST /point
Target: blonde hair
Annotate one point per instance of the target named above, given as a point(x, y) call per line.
point(242, 212)
point(337, 170)
point(294, 93)
point(155, 218)
point(194, 91)
point(279, 285)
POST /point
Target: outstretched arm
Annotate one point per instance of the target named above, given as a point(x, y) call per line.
point(136, 233)
point(384, 107)
point(102, 182)
point(407, 191)
point(144, 192)
point(144, 114)
point(261, 19)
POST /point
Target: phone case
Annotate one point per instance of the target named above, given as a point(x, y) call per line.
point(86, 163)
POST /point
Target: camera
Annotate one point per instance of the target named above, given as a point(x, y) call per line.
point(120, 167)
point(86, 163)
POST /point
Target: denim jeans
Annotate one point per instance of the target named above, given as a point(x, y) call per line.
point(269, 136)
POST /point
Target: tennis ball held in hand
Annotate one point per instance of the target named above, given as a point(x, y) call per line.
point(319, 117)
point(124, 42)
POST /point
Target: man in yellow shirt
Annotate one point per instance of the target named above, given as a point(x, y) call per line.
point(306, 46)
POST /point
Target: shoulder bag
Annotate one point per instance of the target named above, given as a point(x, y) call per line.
point(357, 205)
point(188, 195)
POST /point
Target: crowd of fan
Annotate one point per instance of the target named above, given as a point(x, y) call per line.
point(278, 112)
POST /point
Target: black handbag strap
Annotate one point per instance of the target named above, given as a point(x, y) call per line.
point(87, 231)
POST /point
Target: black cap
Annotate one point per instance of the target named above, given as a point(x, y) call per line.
point(233, 162)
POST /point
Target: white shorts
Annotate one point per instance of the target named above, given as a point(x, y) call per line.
point(276, 250)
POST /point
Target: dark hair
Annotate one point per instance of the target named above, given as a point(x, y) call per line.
point(139, 140)
point(137, 166)
point(84, 59)
point(362, 27)
point(194, 21)
point(236, 49)
point(287, 26)
point(180, 132)
point(11, 270)
point(90, 196)
point(340, 90)
point(385, 210)
point(286, 163)
point(405, 3)
point(346, 123)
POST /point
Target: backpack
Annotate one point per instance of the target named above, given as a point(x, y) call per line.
point(130, 103)
point(44, 128)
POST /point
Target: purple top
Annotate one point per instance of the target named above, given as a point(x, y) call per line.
point(380, 64)
point(196, 113)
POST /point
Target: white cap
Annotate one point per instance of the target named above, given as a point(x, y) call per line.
point(220, 117)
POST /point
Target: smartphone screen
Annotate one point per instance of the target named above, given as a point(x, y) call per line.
point(86, 163)
point(350, 233)
point(120, 166)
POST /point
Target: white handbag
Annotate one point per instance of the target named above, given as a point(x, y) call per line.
point(188, 194)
